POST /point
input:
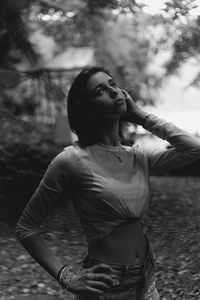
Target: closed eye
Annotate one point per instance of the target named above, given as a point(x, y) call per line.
point(99, 91)
point(112, 83)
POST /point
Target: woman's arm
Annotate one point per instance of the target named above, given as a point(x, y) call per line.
point(43, 201)
point(40, 251)
point(185, 147)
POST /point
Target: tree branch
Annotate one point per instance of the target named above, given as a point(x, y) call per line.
point(52, 4)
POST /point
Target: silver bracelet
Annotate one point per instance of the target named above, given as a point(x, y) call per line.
point(65, 276)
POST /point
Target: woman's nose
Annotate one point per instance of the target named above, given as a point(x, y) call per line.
point(113, 92)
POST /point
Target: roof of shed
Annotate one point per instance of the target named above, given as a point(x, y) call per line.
point(72, 58)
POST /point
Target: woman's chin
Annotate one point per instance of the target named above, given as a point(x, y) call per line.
point(122, 109)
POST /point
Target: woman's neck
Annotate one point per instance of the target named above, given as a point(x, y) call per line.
point(109, 132)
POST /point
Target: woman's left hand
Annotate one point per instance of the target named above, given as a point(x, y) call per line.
point(133, 112)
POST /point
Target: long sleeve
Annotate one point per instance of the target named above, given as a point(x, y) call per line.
point(49, 192)
point(185, 148)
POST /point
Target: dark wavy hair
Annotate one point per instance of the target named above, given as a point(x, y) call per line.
point(82, 119)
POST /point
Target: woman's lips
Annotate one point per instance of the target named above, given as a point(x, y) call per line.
point(119, 101)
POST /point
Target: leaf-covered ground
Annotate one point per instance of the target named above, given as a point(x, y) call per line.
point(173, 226)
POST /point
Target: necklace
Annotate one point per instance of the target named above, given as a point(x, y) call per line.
point(116, 151)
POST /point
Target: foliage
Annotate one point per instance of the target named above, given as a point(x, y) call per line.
point(126, 45)
point(20, 100)
point(102, 25)
point(178, 8)
point(79, 23)
point(14, 35)
point(25, 152)
point(186, 28)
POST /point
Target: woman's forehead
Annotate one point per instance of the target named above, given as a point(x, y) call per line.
point(98, 78)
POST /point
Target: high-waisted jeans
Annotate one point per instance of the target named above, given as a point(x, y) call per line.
point(130, 282)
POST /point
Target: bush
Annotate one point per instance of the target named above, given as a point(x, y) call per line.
point(21, 169)
point(24, 157)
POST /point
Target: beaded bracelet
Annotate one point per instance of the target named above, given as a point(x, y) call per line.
point(59, 272)
point(64, 276)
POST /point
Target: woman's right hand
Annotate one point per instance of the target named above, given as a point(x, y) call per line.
point(94, 280)
point(133, 113)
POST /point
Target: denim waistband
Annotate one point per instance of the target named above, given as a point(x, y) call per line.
point(130, 281)
point(128, 274)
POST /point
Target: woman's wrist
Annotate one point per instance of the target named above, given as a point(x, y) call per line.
point(59, 273)
point(64, 277)
point(140, 118)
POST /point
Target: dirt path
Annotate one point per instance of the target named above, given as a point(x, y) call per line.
point(173, 226)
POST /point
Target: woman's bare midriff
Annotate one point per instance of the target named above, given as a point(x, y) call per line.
point(126, 242)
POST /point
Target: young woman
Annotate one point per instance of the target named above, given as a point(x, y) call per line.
point(109, 185)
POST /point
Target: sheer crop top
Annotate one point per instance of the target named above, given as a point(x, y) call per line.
point(108, 185)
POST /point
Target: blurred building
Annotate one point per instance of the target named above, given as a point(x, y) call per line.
point(72, 60)
point(62, 69)
point(39, 94)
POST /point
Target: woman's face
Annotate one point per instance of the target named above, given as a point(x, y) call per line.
point(106, 98)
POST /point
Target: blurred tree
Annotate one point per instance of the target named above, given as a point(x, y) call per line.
point(103, 25)
point(126, 46)
point(119, 31)
point(185, 41)
point(14, 33)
